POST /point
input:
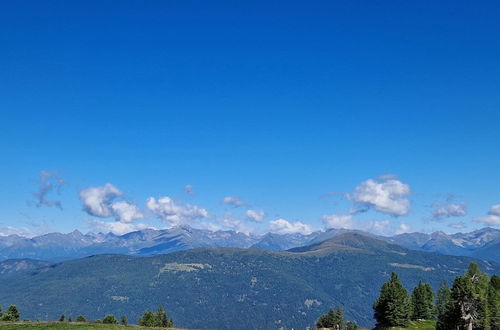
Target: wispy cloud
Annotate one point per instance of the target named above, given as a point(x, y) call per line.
point(233, 201)
point(457, 225)
point(188, 189)
point(448, 209)
point(48, 181)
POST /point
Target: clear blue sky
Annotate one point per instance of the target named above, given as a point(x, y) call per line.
point(278, 103)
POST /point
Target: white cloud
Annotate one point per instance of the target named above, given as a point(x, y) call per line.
point(493, 218)
point(256, 215)
point(494, 210)
point(448, 209)
point(338, 221)
point(126, 212)
point(175, 213)
point(97, 200)
point(282, 226)
point(233, 201)
point(115, 227)
point(386, 196)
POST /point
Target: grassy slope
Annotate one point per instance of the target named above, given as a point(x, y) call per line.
point(67, 326)
point(426, 325)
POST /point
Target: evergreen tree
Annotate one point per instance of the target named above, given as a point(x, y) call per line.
point(494, 302)
point(444, 308)
point(465, 303)
point(124, 320)
point(61, 318)
point(480, 283)
point(163, 319)
point(109, 319)
point(325, 320)
point(12, 314)
point(332, 319)
point(149, 319)
point(80, 318)
point(393, 307)
point(422, 301)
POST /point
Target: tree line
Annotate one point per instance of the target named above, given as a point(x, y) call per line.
point(473, 302)
point(159, 318)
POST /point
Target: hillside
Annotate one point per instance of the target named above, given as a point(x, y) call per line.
point(227, 288)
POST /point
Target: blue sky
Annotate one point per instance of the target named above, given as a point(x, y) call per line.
point(299, 110)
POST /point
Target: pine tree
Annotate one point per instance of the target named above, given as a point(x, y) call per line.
point(124, 320)
point(163, 319)
point(109, 319)
point(494, 302)
point(444, 308)
point(480, 283)
point(332, 319)
point(149, 319)
point(61, 318)
point(422, 302)
point(80, 318)
point(465, 303)
point(11, 315)
point(393, 307)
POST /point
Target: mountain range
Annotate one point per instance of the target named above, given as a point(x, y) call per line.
point(229, 288)
point(482, 244)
